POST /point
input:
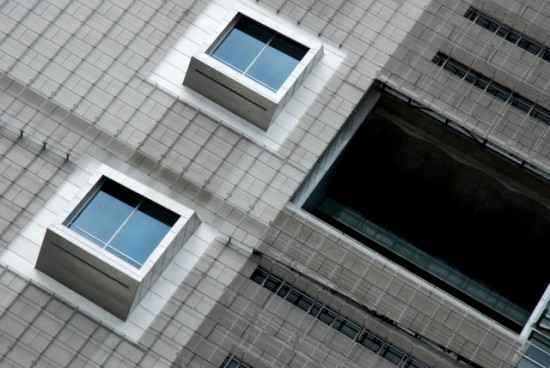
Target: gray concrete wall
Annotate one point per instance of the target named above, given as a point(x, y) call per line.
point(76, 91)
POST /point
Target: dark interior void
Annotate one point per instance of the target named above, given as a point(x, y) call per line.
point(443, 205)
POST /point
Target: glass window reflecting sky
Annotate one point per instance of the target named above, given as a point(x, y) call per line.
point(259, 53)
point(123, 223)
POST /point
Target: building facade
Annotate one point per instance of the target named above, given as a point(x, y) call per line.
point(281, 183)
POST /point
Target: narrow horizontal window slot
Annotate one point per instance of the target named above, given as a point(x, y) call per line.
point(493, 88)
point(508, 34)
point(332, 318)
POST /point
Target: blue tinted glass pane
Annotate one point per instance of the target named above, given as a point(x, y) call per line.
point(86, 235)
point(123, 257)
point(272, 68)
point(139, 236)
point(238, 49)
point(102, 217)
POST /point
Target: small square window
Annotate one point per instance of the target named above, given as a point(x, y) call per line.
point(123, 222)
point(259, 52)
point(116, 242)
point(252, 68)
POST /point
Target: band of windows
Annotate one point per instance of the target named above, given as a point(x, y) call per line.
point(335, 320)
point(499, 91)
point(508, 34)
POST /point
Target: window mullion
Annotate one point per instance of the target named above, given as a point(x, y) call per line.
point(259, 54)
point(108, 242)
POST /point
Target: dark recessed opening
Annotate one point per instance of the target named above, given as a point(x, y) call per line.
point(441, 204)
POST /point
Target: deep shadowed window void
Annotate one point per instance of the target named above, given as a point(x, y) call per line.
point(123, 222)
point(259, 52)
point(444, 206)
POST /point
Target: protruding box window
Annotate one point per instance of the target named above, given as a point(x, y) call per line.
point(116, 242)
point(251, 69)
